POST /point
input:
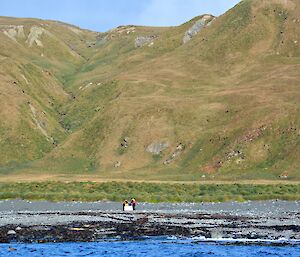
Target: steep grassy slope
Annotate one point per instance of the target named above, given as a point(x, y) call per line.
point(225, 104)
point(34, 56)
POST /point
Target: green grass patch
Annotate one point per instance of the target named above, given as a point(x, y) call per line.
point(157, 157)
point(146, 192)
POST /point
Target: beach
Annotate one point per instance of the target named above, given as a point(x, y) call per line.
point(42, 221)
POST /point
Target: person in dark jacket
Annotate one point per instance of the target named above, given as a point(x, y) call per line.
point(125, 203)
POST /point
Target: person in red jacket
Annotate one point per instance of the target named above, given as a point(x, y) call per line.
point(133, 203)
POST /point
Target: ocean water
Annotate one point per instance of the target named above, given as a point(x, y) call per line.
point(154, 247)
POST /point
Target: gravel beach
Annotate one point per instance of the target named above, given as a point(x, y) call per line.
point(23, 221)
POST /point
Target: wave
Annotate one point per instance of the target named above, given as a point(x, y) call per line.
point(247, 241)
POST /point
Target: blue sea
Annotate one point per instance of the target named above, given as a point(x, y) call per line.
point(153, 247)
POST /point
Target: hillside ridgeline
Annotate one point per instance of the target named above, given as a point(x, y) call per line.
point(216, 98)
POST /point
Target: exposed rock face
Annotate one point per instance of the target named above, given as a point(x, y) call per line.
point(118, 32)
point(198, 25)
point(179, 149)
point(157, 148)
point(14, 32)
point(34, 36)
point(141, 41)
point(124, 29)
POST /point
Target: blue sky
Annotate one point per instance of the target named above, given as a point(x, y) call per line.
point(102, 15)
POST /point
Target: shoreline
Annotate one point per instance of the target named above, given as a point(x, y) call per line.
point(29, 222)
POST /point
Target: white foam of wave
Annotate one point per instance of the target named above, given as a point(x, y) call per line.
point(246, 240)
point(172, 237)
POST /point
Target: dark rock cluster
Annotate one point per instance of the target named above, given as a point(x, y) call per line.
point(135, 225)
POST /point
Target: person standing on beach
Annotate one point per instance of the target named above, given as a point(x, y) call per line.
point(133, 203)
point(125, 203)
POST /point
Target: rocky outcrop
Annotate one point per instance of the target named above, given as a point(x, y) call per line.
point(141, 41)
point(124, 29)
point(34, 36)
point(179, 149)
point(157, 148)
point(14, 32)
point(198, 25)
point(103, 225)
point(24, 221)
point(118, 32)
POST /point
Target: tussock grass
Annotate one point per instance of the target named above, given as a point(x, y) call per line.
point(146, 192)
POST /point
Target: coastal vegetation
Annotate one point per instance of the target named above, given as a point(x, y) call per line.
point(147, 192)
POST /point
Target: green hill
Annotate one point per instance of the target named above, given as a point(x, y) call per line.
point(216, 98)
